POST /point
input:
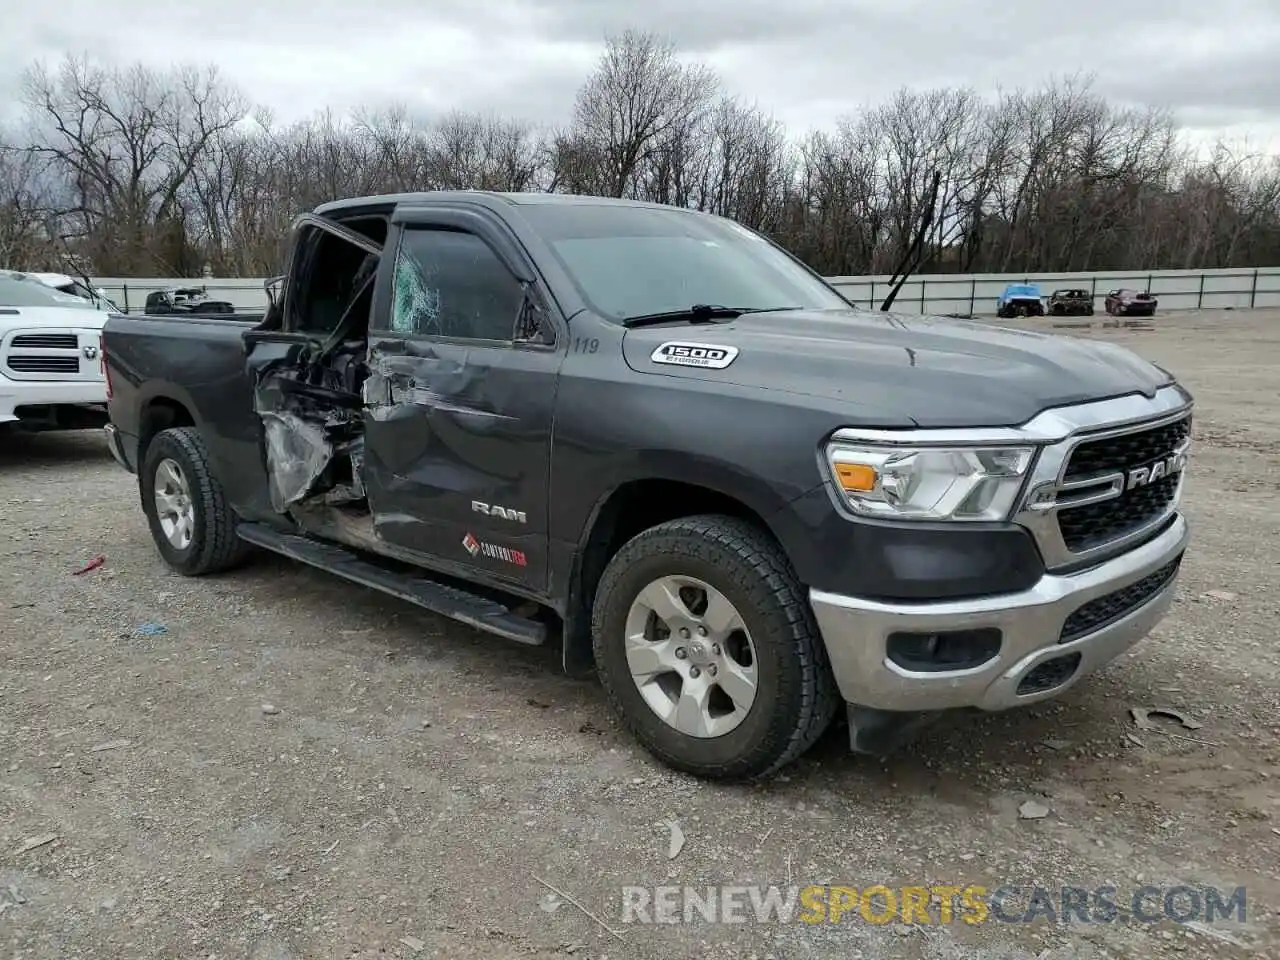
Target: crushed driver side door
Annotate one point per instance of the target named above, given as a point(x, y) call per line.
point(464, 355)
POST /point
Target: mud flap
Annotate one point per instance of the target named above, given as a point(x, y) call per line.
point(881, 733)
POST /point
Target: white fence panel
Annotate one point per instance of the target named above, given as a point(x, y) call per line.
point(926, 293)
point(977, 293)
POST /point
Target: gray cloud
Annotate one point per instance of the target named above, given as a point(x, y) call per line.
point(1243, 83)
point(806, 61)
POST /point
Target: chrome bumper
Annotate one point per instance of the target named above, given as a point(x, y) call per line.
point(115, 445)
point(856, 634)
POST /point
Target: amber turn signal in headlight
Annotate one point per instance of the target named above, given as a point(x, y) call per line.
point(929, 483)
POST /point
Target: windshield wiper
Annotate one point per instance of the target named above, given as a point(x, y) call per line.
point(698, 313)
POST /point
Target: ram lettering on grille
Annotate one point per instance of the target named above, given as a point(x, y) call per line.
point(1142, 476)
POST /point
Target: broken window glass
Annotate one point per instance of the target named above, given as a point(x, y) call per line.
point(416, 303)
point(451, 284)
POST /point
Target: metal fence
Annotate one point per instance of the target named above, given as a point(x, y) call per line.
point(975, 294)
point(969, 294)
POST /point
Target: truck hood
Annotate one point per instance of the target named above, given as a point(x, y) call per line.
point(66, 318)
point(934, 371)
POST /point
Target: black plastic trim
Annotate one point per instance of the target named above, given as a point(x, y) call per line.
point(904, 561)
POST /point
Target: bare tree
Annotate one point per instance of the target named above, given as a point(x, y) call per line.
point(28, 210)
point(137, 172)
point(128, 142)
point(640, 98)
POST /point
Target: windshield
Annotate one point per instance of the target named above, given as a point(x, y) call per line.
point(26, 292)
point(638, 261)
point(77, 289)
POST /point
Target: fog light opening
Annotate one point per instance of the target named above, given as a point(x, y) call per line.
point(1048, 675)
point(942, 651)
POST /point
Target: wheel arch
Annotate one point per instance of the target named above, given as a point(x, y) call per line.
point(163, 406)
point(622, 512)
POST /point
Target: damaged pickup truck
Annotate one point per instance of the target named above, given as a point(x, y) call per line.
point(653, 437)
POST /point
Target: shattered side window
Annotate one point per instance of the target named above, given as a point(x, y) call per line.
point(451, 284)
point(416, 303)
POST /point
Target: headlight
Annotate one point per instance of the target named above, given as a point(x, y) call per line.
point(929, 483)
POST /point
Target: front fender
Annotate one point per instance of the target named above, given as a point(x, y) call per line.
point(575, 563)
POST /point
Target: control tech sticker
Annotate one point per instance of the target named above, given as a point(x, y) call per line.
point(494, 551)
point(683, 353)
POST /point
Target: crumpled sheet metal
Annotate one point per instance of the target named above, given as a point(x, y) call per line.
point(353, 491)
point(399, 384)
point(297, 453)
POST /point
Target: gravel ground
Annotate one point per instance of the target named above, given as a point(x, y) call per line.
point(297, 767)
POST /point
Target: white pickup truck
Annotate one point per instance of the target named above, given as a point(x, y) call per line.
point(50, 346)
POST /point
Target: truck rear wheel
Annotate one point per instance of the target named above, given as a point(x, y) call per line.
point(190, 520)
point(707, 648)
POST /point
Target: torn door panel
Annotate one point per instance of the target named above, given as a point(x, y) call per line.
point(403, 376)
point(314, 440)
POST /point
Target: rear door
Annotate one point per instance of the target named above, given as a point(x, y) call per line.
point(459, 405)
point(322, 285)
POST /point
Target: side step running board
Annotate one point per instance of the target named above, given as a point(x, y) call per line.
point(447, 601)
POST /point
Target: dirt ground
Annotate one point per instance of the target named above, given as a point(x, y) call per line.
point(297, 767)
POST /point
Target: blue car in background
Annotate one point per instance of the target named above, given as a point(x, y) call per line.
point(1020, 300)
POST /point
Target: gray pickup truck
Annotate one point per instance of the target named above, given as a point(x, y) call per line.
point(655, 438)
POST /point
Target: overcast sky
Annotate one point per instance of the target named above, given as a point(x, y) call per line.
point(805, 61)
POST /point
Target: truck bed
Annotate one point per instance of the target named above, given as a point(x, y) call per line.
point(188, 370)
point(253, 318)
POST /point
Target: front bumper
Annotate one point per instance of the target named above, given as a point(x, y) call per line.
point(1011, 307)
point(39, 393)
point(856, 633)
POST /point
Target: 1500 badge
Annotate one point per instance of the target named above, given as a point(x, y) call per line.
point(682, 353)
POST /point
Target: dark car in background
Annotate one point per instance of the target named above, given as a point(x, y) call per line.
point(1125, 302)
point(1071, 303)
point(193, 301)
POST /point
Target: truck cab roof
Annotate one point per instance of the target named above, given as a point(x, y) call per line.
point(1022, 290)
point(487, 197)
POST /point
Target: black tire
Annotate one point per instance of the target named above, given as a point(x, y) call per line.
point(214, 545)
point(1058, 310)
point(796, 696)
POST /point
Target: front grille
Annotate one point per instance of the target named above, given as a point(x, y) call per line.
point(22, 364)
point(1094, 525)
point(1106, 610)
point(45, 341)
point(1127, 451)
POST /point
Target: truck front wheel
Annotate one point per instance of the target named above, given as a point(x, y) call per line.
point(707, 648)
point(191, 522)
